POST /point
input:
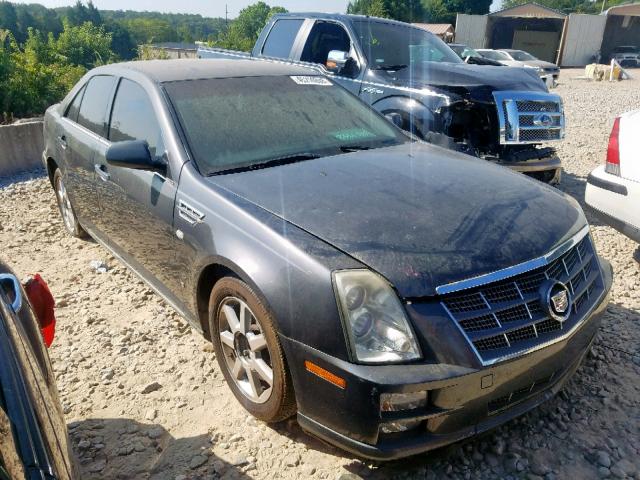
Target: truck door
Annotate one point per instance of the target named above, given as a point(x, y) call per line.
point(326, 36)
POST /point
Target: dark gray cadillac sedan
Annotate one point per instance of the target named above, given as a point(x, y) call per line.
point(396, 295)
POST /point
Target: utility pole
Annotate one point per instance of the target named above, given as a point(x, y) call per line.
point(226, 16)
point(604, 2)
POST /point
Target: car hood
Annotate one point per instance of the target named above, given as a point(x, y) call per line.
point(419, 215)
point(447, 75)
point(541, 64)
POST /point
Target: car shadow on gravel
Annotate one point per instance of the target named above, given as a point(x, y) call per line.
point(123, 449)
point(576, 187)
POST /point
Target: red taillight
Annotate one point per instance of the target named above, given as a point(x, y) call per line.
point(613, 150)
point(43, 304)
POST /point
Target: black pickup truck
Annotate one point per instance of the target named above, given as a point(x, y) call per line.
point(496, 113)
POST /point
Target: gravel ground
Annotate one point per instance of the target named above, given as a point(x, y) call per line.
point(144, 397)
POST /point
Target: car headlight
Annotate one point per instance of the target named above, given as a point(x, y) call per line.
point(374, 318)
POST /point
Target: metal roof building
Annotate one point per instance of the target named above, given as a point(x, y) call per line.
point(568, 40)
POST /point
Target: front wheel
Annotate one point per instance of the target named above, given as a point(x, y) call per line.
point(249, 351)
point(66, 209)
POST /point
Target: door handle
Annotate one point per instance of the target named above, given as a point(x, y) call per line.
point(102, 173)
point(62, 141)
point(16, 305)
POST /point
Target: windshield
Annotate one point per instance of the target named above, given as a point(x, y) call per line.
point(521, 56)
point(238, 123)
point(494, 55)
point(391, 46)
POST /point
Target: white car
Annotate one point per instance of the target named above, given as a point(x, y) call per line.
point(520, 58)
point(613, 189)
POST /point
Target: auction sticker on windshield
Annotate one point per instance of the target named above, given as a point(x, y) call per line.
point(309, 80)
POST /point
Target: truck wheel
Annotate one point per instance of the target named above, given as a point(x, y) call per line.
point(249, 351)
point(66, 209)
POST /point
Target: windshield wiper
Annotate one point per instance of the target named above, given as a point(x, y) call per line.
point(353, 148)
point(390, 67)
point(273, 162)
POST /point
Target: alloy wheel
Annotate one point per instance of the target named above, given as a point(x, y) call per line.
point(65, 205)
point(246, 352)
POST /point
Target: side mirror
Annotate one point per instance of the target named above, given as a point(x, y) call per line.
point(336, 61)
point(394, 118)
point(133, 154)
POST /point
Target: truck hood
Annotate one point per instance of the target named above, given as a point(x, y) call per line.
point(419, 215)
point(448, 75)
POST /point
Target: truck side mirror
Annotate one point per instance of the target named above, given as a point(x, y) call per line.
point(336, 61)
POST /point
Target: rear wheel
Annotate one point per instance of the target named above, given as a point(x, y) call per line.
point(66, 209)
point(249, 351)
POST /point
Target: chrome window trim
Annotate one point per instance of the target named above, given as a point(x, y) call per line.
point(515, 269)
point(83, 129)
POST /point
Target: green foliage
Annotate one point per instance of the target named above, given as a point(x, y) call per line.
point(28, 82)
point(85, 45)
point(146, 52)
point(244, 30)
point(404, 10)
point(149, 30)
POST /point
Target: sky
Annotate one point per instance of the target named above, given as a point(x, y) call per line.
point(208, 8)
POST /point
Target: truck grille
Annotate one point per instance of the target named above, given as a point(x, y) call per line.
point(509, 317)
point(529, 117)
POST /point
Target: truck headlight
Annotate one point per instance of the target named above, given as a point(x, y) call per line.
point(376, 323)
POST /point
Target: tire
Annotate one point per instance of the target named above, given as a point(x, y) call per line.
point(246, 350)
point(69, 218)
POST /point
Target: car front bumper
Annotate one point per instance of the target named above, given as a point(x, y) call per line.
point(547, 170)
point(461, 401)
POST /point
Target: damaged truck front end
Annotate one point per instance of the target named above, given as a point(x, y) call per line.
point(510, 127)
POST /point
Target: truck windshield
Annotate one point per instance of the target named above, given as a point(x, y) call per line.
point(245, 123)
point(390, 46)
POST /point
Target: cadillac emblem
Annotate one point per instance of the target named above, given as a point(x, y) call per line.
point(556, 298)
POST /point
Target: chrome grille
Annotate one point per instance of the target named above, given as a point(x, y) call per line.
point(505, 318)
point(529, 117)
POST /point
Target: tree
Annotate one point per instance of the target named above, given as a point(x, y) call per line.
point(150, 30)
point(435, 11)
point(8, 17)
point(85, 45)
point(121, 42)
point(244, 30)
point(404, 10)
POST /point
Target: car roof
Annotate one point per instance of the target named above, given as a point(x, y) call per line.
point(162, 71)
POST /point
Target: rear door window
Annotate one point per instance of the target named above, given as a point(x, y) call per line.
point(74, 108)
point(281, 38)
point(93, 111)
point(133, 117)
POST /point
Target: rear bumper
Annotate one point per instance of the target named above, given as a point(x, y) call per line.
point(461, 401)
point(614, 200)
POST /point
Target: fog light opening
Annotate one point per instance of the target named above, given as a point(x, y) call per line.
point(397, 402)
point(399, 426)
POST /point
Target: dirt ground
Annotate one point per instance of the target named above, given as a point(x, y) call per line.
point(144, 397)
